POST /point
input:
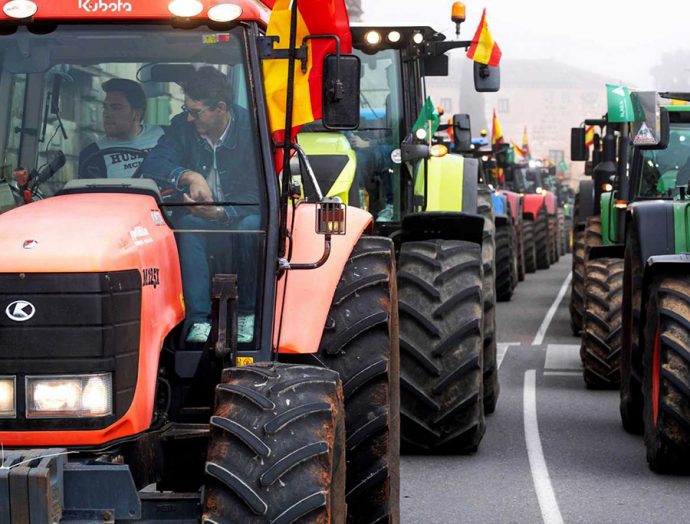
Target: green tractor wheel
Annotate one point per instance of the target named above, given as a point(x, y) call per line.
point(666, 384)
point(601, 333)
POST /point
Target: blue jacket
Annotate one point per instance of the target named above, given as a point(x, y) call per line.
point(182, 149)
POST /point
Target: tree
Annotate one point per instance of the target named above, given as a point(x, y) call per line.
point(673, 73)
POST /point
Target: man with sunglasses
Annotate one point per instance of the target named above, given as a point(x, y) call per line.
point(208, 153)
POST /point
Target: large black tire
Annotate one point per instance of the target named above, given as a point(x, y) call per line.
point(491, 387)
point(529, 246)
point(577, 285)
point(601, 333)
point(631, 360)
point(568, 234)
point(553, 237)
point(583, 242)
point(520, 242)
point(542, 240)
point(505, 256)
point(667, 375)
point(440, 300)
point(277, 446)
point(360, 342)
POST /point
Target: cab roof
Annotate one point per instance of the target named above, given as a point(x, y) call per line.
point(129, 10)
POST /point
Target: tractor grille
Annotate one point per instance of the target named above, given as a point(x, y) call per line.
point(79, 323)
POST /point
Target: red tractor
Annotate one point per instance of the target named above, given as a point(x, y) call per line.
point(110, 411)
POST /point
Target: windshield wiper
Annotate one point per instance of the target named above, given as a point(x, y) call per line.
point(53, 107)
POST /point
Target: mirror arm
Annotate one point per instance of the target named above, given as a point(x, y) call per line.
point(286, 265)
point(441, 48)
point(310, 172)
point(337, 90)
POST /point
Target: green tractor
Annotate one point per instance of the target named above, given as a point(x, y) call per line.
point(439, 215)
point(655, 367)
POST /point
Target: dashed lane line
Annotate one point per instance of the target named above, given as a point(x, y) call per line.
point(539, 337)
point(546, 496)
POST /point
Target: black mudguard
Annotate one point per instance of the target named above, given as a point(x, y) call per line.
point(502, 220)
point(585, 207)
point(470, 180)
point(443, 225)
point(652, 223)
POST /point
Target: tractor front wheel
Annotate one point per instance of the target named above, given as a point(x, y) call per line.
point(441, 342)
point(542, 240)
point(277, 446)
point(360, 342)
point(529, 246)
point(505, 255)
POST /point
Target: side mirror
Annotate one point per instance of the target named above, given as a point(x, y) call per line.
point(341, 92)
point(462, 133)
point(664, 132)
point(487, 79)
point(578, 148)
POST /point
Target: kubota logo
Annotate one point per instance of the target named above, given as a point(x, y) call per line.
point(20, 310)
point(102, 6)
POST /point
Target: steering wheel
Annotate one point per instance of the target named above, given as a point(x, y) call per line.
point(92, 165)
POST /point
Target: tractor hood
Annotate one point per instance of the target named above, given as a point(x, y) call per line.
point(86, 233)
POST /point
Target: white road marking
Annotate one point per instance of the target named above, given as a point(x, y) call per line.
point(563, 373)
point(539, 338)
point(563, 357)
point(501, 350)
point(537, 463)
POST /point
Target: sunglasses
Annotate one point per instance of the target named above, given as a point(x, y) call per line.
point(195, 113)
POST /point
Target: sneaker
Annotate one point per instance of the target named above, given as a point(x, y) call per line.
point(198, 333)
point(386, 214)
point(245, 328)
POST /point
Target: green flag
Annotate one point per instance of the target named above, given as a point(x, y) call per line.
point(428, 117)
point(619, 104)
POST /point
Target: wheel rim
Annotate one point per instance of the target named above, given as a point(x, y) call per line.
point(656, 371)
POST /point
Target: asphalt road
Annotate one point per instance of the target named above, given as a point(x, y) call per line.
point(553, 451)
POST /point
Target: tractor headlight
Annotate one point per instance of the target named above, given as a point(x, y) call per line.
point(7, 398)
point(74, 396)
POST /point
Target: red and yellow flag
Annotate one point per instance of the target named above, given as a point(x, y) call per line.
point(313, 17)
point(589, 136)
point(519, 150)
point(525, 144)
point(496, 132)
point(483, 48)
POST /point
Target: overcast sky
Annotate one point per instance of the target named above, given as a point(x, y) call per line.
point(617, 38)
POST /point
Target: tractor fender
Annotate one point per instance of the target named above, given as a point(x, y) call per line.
point(652, 223)
point(551, 202)
point(444, 226)
point(304, 296)
point(515, 204)
point(585, 205)
point(470, 180)
point(608, 251)
point(532, 204)
point(499, 202)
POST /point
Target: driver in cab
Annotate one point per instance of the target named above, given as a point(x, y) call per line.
point(127, 139)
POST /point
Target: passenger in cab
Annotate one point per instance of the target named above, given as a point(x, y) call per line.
point(208, 153)
point(123, 113)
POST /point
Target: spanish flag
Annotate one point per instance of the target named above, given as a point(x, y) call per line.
point(313, 17)
point(496, 132)
point(483, 48)
point(519, 150)
point(589, 136)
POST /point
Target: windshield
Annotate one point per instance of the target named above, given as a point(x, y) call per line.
point(665, 170)
point(113, 103)
point(378, 176)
